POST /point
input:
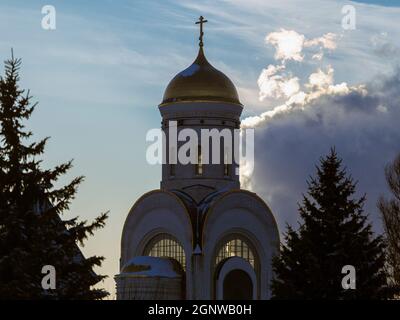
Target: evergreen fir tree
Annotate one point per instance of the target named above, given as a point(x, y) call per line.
point(333, 232)
point(32, 233)
point(390, 211)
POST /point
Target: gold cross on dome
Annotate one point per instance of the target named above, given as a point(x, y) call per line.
point(201, 21)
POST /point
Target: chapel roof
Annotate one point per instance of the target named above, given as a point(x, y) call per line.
point(201, 82)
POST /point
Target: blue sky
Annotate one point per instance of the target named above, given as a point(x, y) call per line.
point(101, 74)
point(390, 3)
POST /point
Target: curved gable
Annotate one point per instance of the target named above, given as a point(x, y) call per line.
point(252, 207)
point(155, 212)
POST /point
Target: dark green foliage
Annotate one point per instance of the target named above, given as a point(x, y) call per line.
point(390, 210)
point(32, 234)
point(334, 232)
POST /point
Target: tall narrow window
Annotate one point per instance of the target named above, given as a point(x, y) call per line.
point(226, 165)
point(199, 164)
point(172, 170)
point(172, 162)
point(227, 162)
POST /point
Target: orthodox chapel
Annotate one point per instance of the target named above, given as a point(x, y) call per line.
point(199, 236)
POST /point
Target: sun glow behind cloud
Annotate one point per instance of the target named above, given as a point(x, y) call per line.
point(276, 82)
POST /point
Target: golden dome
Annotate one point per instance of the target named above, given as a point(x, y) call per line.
point(201, 82)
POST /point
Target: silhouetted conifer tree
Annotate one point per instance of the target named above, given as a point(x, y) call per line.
point(333, 233)
point(390, 210)
point(32, 234)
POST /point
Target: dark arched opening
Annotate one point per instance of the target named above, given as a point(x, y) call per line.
point(237, 286)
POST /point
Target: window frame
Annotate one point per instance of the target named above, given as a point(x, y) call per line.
point(170, 248)
point(238, 245)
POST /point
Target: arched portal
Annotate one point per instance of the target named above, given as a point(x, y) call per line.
point(236, 280)
point(237, 285)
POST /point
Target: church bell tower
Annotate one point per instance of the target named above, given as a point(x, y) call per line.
point(201, 97)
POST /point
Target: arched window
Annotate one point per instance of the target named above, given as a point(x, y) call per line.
point(236, 247)
point(165, 245)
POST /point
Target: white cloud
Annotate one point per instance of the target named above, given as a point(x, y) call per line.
point(362, 125)
point(288, 44)
point(320, 79)
point(277, 83)
point(319, 84)
point(318, 56)
point(273, 85)
point(327, 41)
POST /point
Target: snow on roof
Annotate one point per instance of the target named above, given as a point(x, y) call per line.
point(152, 267)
